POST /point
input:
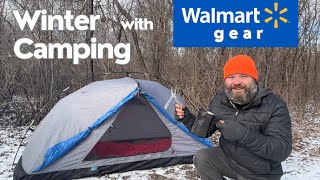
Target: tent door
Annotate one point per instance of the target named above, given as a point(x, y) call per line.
point(136, 130)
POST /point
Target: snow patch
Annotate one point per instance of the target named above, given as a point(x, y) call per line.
point(303, 163)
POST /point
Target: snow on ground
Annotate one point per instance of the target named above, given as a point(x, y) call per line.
point(298, 167)
point(303, 163)
point(9, 142)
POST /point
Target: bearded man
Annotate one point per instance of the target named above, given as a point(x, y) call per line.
point(254, 123)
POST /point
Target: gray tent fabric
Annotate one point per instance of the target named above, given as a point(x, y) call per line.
point(79, 110)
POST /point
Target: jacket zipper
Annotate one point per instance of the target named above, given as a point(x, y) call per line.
point(237, 110)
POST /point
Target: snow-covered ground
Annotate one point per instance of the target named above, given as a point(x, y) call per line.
point(303, 163)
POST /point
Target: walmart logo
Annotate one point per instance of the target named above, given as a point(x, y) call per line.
point(235, 23)
point(276, 24)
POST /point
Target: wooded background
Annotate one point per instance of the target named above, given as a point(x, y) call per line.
point(30, 88)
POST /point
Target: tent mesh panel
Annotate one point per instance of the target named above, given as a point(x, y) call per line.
point(136, 130)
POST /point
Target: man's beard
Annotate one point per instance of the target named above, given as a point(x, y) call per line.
point(242, 99)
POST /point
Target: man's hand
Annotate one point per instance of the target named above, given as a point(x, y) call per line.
point(180, 111)
point(231, 130)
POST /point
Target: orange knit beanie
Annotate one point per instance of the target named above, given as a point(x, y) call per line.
point(241, 64)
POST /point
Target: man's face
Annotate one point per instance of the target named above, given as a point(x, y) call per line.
point(240, 88)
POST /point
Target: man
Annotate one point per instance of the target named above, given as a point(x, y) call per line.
point(254, 123)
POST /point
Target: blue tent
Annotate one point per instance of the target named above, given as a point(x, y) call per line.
point(106, 127)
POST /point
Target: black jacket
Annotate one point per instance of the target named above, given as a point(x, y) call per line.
point(266, 133)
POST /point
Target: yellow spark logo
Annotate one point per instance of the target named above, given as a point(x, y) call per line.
point(275, 24)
